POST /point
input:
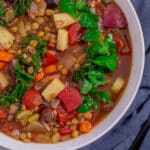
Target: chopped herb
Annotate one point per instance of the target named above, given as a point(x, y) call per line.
point(81, 5)
point(102, 47)
point(68, 6)
point(89, 20)
point(106, 62)
point(92, 35)
point(101, 95)
point(96, 78)
point(87, 86)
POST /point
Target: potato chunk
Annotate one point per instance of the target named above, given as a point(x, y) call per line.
point(63, 20)
point(3, 80)
point(6, 38)
point(53, 89)
point(118, 85)
point(62, 39)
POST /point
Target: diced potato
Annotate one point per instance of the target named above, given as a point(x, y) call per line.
point(62, 39)
point(6, 38)
point(3, 80)
point(63, 20)
point(21, 28)
point(117, 85)
point(53, 89)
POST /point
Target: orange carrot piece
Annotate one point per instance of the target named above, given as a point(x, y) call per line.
point(2, 65)
point(39, 76)
point(102, 37)
point(85, 126)
point(119, 43)
point(50, 69)
point(5, 56)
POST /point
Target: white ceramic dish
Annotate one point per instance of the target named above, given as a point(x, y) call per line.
point(126, 100)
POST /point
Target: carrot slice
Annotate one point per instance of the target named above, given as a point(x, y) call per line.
point(102, 37)
point(2, 65)
point(50, 69)
point(119, 43)
point(5, 56)
point(39, 76)
point(85, 126)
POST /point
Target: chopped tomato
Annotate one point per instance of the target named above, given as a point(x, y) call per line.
point(3, 114)
point(49, 59)
point(7, 126)
point(71, 98)
point(64, 131)
point(75, 33)
point(63, 116)
point(32, 98)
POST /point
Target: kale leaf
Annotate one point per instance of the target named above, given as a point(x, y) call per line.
point(21, 6)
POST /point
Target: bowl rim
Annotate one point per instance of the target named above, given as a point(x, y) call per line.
point(38, 146)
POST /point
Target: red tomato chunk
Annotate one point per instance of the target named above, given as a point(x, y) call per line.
point(75, 33)
point(32, 98)
point(71, 99)
point(63, 116)
point(49, 59)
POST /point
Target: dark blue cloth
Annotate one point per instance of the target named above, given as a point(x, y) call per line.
point(123, 134)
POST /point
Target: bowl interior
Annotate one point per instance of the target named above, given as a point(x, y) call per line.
point(120, 109)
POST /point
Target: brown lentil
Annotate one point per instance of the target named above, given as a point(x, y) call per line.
point(28, 59)
point(30, 70)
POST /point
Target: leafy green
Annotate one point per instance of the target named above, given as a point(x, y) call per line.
point(21, 74)
point(68, 6)
point(96, 78)
point(101, 95)
point(13, 95)
point(92, 35)
point(23, 77)
point(2, 9)
point(41, 46)
point(86, 106)
point(89, 20)
point(102, 47)
point(106, 62)
point(21, 6)
point(87, 86)
point(81, 74)
point(3, 22)
point(81, 5)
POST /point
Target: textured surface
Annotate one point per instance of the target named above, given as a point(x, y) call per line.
point(122, 135)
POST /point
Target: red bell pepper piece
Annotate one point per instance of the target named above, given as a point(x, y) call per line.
point(63, 116)
point(75, 33)
point(71, 98)
point(49, 59)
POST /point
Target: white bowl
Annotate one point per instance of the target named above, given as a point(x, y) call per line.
point(126, 100)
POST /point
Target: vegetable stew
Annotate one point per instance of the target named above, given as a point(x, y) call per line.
point(64, 65)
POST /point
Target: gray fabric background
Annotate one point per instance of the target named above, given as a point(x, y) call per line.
point(122, 136)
